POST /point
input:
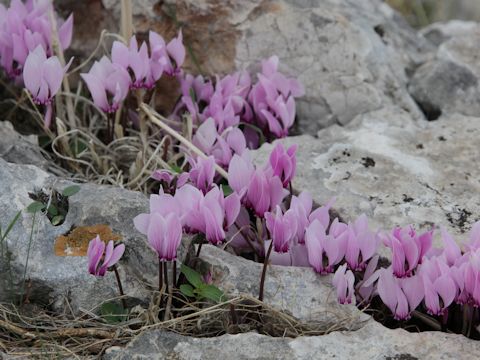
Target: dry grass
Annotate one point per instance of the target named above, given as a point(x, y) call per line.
point(39, 334)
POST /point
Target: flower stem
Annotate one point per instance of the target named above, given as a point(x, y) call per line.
point(165, 275)
point(199, 249)
point(174, 272)
point(120, 288)
point(160, 274)
point(264, 272)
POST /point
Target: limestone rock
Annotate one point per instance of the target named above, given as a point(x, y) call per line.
point(373, 341)
point(295, 290)
point(394, 169)
point(57, 279)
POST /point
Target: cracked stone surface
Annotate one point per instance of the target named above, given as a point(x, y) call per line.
point(394, 169)
point(352, 56)
point(54, 279)
point(373, 341)
point(296, 290)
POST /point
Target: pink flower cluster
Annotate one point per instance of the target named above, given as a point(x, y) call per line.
point(23, 28)
point(188, 210)
point(438, 277)
point(221, 108)
point(132, 67)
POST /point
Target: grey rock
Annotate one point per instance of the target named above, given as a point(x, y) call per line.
point(449, 82)
point(440, 32)
point(54, 279)
point(351, 56)
point(394, 169)
point(20, 149)
point(295, 290)
point(373, 341)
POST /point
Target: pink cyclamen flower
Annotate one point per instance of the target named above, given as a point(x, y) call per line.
point(472, 278)
point(210, 214)
point(165, 235)
point(301, 205)
point(401, 296)
point(282, 227)
point(343, 281)
point(202, 173)
point(169, 179)
point(451, 251)
point(272, 98)
point(361, 244)
point(366, 287)
point(440, 288)
point(240, 172)
point(97, 250)
point(324, 251)
point(408, 249)
point(264, 192)
point(24, 27)
point(43, 77)
point(170, 56)
point(135, 60)
point(283, 163)
point(108, 84)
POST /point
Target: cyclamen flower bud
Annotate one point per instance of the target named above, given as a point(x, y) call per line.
point(110, 254)
point(283, 163)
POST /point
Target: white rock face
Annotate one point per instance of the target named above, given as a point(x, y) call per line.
point(373, 341)
point(396, 170)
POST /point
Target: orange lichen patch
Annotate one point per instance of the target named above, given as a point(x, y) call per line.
point(76, 242)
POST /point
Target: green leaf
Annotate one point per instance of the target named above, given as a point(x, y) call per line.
point(35, 206)
point(70, 190)
point(113, 313)
point(52, 210)
point(227, 190)
point(193, 95)
point(176, 168)
point(187, 290)
point(211, 292)
point(78, 146)
point(192, 276)
point(10, 226)
point(56, 220)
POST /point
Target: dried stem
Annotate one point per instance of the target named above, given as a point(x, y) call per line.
point(126, 20)
point(57, 49)
point(159, 120)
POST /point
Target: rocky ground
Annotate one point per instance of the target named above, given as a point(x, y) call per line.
point(389, 126)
